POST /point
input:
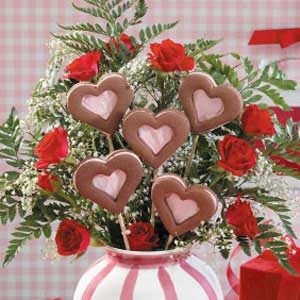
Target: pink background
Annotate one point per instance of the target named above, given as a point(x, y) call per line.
point(24, 32)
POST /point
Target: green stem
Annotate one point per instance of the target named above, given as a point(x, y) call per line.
point(190, 158)
point(68, 199)
point(216, 180)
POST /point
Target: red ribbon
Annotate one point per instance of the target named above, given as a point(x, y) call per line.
point(283, 37)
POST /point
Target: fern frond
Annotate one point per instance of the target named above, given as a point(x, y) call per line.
point(86, 27)
point(150, 33)
point(26, 231)
point(200, 46)
point(11, 139)
point(97, 12)
point(121, 9)
point(85, 42)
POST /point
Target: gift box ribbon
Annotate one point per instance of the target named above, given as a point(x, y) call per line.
point(283, 37)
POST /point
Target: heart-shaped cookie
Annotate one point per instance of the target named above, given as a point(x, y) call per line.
point(206, 105)
point(110, 182)
point(182, 208)
point(155, 137)
point(103, 105)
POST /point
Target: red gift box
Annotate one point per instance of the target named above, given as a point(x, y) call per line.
point(263, 278)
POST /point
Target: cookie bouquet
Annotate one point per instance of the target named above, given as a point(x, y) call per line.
point(146, 146)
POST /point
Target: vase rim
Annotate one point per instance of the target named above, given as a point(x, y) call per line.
point(144, 253)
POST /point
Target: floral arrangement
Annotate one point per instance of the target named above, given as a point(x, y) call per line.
point(242, 161)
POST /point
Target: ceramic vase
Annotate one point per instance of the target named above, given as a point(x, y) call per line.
point(162, 275)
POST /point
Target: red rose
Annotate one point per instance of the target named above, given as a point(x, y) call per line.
point(237, 156)
point(257, 121)
point(142, 236)
point(169, 57)
point(259, 144)
point(52, 148)
point(46, 181)
point(125, 39)
point(85, 67)
point(71, 238)
point(240, 216)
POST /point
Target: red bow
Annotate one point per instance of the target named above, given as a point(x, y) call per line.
point(283, 37)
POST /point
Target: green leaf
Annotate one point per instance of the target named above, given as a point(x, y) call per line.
point(87, 27)
point(258, 246)
point(274, 96)
point(245, 247)
point(288, 85)
point(98, 12)
point(141, 9)
point(253, 99)
point(247, 64)
point(286, 264)
point(47, 230)
point(151, 32)
point(11, 138)
point(82, 42)
point(268, 234)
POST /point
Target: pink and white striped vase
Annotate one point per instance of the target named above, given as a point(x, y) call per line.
point(163, 275)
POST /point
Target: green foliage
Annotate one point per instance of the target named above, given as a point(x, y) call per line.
point(285, 144)
point(82, 42)
point(257, 83)
point(274, 95)
point(8, 209)
point(198, 47)
point(278, 206)
point(115, 22)
point(11, 138)
point(150, 32)
point(35, 225)
point(31, 227)
point(87, 27)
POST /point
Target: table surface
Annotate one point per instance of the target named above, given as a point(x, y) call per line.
point(24, 32)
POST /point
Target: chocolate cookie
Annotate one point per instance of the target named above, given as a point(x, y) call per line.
point(182, 208)
point(155, 137)
point(103, 105)
point(110, 182)
point(207, 105)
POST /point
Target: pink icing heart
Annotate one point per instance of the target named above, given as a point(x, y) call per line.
point(181, 209)
point(206, 107)
point(101, 105)
point(155, 139)
point(111, 184)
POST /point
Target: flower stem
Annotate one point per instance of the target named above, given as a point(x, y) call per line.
point(190, 158)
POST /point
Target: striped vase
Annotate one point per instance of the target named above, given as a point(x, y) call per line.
point(164, 275)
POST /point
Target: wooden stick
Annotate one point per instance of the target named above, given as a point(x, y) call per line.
point(123, 230)
point(152, 217)
point(169, 241)
point(120, 217)
point(190, 159)
point(110, 143)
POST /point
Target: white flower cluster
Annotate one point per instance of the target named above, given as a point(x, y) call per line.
point(135, 70)
point(49, 252)
point(27, 184)
point(264, 179)
point(60, 55)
